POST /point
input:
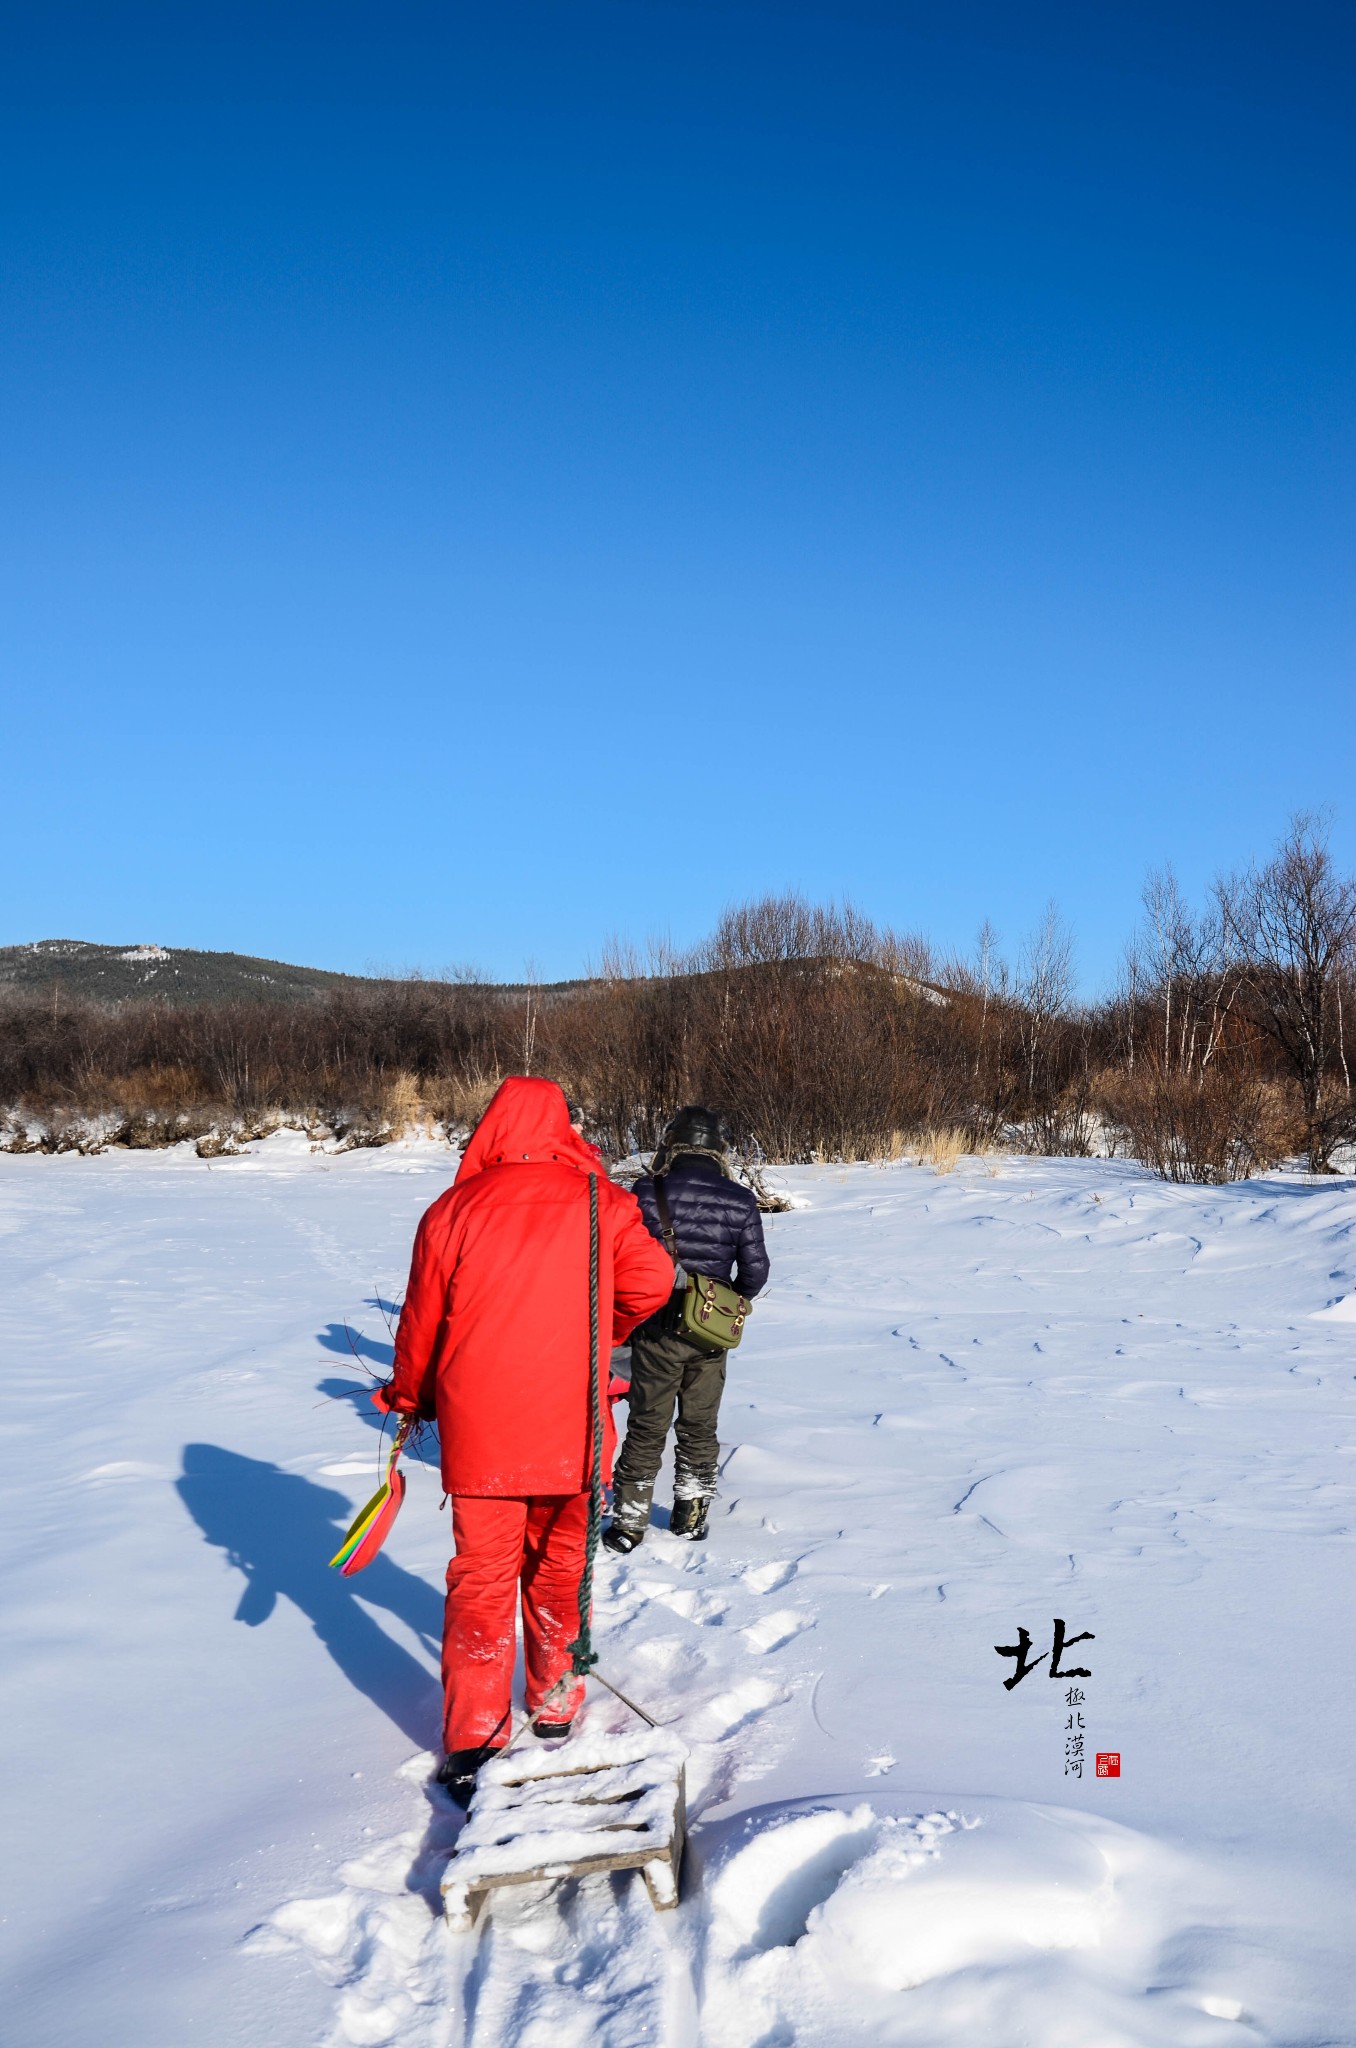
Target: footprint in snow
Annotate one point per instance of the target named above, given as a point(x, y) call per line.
point(674, 1659)
point(772, 1630)
point(689, 1604)
point(732, 1710)
point(770, 1578)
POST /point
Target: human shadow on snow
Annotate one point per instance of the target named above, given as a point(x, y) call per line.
point(280, 1530)
point(359, 1393)
point(421, 1450)
point(350, 1343)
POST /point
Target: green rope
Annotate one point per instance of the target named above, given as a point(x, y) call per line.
point(582, 1652)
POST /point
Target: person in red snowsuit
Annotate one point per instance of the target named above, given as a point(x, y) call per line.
point(494, 1341)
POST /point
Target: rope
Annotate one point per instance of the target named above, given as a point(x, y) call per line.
point(582, 1652)
point(627, 1701)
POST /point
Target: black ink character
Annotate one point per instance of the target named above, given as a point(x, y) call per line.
point(1019, 1650)
point(1026, 1663)
point(1078, 1671)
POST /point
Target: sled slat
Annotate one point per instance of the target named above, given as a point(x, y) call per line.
point(634, 1801)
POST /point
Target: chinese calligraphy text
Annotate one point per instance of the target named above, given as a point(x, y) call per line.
point(1020, 1650)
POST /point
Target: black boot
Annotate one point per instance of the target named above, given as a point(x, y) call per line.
point(688, 1518)
point(630, 1514)
point(457, 1771)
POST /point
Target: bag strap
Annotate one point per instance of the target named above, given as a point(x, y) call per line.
point(665, 1218)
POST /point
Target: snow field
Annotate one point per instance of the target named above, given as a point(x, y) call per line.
point(968, 1405)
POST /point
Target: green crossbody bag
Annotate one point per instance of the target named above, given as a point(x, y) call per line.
point(713, 1313)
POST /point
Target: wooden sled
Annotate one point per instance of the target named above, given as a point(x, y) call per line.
point(599, 1802)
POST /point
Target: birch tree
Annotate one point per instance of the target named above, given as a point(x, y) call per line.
point(1295, 920)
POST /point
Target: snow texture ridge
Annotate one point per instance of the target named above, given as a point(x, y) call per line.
point(968, 1406)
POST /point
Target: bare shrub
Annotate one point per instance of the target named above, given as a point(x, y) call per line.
point(783, 928)
point(1063, 1125)
point(1295, 924)
point(769, 1201)
point(1206, 1128)
point(818, 1034)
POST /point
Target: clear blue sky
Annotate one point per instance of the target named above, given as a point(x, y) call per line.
point(476, 479)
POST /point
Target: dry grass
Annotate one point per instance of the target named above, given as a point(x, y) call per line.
point(456, 1102)
point(941, 1149)
point(938, 1146)
point(402, 1104)
point(154, 1088)
point(406, 1105)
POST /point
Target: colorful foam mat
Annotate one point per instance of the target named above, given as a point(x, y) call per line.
point(372, 1525)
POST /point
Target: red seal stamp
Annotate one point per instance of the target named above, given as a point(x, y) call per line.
point(1108, 1763)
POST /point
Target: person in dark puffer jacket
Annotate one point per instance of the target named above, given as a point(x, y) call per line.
point(717, 1230)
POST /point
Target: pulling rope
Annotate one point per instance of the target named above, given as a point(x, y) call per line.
point(582, 1652)
point(584, 1658)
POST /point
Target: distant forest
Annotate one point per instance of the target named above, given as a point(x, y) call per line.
point(821, 1036)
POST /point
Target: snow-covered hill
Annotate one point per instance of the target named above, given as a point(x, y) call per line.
point(969, 1406)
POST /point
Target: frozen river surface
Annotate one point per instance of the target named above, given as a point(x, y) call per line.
point(969, 1406)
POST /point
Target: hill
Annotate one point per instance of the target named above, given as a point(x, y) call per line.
point(124, 974)
point(120, 974)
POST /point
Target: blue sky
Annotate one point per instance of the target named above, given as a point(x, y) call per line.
point(475, 480)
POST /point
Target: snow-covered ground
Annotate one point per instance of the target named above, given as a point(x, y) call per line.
point(968, 1406)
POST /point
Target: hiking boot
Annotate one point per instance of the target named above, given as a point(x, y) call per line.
point(630, 1514)
point(688, 1518)
point(457, 1771)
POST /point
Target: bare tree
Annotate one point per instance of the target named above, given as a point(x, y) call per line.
point(777, 929)
point(1128, 992)
point(1183, 965)
point(1166, 940)
point(530, 1021)
point(1295, 925)
point(1044, 988)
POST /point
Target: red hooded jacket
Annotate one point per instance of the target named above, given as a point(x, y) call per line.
point(494, 1334)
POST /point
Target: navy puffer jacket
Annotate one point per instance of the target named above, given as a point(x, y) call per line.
point(716, 1224)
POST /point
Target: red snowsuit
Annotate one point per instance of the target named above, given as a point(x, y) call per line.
point(494, 1341)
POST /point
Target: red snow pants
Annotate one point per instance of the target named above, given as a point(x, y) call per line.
point(502, 1546)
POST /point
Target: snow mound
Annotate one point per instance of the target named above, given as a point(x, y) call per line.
point(1343, 1310)
point(835, 1924)
point(810, 1924)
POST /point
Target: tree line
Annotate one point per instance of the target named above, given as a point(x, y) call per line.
point(1222, 1050)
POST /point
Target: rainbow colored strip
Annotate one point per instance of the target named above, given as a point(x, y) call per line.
point(370, 1528)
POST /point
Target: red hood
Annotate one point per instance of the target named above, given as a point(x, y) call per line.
point(526, 1120)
